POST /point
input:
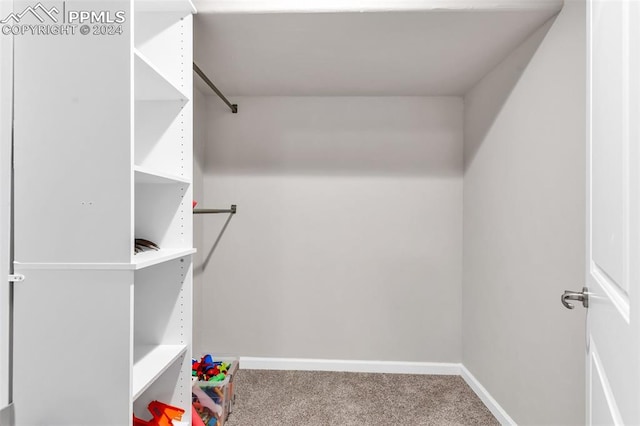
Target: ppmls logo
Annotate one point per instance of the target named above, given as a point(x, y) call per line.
point(40, 20)
point(33, 10)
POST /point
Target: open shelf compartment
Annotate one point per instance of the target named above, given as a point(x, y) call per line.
point(150, 362)
point(151, 83)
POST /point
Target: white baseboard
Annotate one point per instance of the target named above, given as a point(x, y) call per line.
point(498, 412)
point(305, 364)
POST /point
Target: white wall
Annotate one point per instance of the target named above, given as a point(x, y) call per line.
point(199, 141)
point(347, 241)
point(6, 104)
point(524, 226)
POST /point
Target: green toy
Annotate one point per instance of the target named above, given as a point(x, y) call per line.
point(218, 378)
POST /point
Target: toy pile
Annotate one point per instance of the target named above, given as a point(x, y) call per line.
point(212, 391)
point(209, 370)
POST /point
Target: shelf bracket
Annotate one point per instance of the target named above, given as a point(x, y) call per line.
point(16, 278)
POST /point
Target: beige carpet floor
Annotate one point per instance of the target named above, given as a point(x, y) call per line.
point(303, 398)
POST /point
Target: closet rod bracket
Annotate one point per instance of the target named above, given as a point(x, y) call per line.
point(231, 210)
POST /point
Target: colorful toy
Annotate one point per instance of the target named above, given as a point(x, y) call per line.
point(213, 394)
point(212, 391)
point(218, 378)
point(206, 410)
point(195, 417)
point(209, 370)
point(163, 415)
point(140, 422)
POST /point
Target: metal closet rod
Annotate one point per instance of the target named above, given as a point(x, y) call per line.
point(203, 76)
point(232, 210)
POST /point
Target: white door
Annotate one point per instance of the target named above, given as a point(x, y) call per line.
point(6, 102)
point(613, 245)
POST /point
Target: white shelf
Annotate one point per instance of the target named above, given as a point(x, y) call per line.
point(152, 257)
point(150, 362)
point(145, 175)
point(151, 84)
point(186, 6)
point(141, 260)
point(27, 266)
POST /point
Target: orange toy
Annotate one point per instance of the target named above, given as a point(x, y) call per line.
point(163, 414)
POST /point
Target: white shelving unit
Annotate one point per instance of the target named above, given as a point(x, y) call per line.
point(103, 156)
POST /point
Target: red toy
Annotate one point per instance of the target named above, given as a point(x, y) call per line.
point(163, 414)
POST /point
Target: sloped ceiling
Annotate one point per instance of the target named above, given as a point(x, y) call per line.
point(433, 51)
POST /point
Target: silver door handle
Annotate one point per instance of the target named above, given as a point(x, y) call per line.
point(579, 296)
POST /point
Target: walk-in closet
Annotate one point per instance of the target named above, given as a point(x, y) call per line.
point(382, 187)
